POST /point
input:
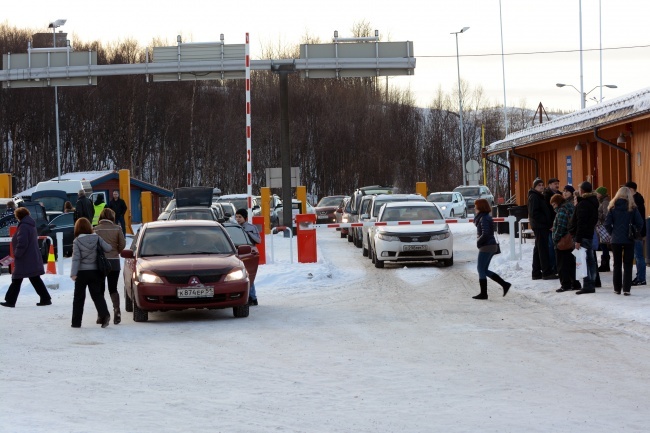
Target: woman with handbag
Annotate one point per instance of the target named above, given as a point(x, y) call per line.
point(622, 214)
point(112, 234)
point(563, 242)
point(487, 247)
point(85, 272)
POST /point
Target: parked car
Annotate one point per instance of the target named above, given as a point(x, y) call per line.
point(240, 201)
point(64, 223)
point(274, 201)
point(473, 193)
point(412, 243)
point(326, 208)
point(194, 213)
point(341, 216)
point(346, 217)
point(452, 204)
point(376, 202)
point(188, 196)
point(356, 198)
point(37, 212)
point(296, 208)
point(177, 265)
point(357, 232)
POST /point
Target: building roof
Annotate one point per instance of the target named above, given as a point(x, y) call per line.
point(621, 109)
point(98, 177)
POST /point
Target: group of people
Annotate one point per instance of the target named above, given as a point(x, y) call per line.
point(586, 219)
point(92, 211)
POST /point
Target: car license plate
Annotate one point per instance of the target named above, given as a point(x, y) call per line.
point(415, 247)
point(195, 292)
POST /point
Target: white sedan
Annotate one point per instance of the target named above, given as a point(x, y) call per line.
point(452, 204)
point(412, 242)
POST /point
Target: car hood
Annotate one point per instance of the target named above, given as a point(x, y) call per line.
point(326, 208)
point(414, 228)
point(193, 196)
point(168, 265)
point(442, 203)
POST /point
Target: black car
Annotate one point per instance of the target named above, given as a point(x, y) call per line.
point(64, 223)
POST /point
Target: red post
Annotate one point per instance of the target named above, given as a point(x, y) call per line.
point(261, 247)
point(306, 238)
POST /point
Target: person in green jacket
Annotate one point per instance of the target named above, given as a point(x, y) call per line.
point(99, 206)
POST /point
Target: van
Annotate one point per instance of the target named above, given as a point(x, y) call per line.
point(53, 194)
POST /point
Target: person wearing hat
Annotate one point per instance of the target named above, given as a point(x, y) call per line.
point(639, 280)
point(541, 221)
point(582, 228)
point(251, 230)
point(552, 188)
point(567, 192)
point(84, 208)
point(603, 199)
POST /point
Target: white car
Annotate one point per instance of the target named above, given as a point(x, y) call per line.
point(412, 243)
point(295, 210)
point(452, 204)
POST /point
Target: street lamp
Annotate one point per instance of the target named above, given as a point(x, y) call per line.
point(584, 95)
point(54, 25)
point(460, 105)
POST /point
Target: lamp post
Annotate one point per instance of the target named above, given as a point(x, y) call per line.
point(53, 25)
point(460, 106)
point(583, 99)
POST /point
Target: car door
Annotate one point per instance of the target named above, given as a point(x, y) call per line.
point(457, 204)
point(239, 237)
point(64, 224)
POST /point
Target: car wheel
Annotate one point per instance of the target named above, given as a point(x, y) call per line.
point(365, 250)
point(343, 235)
point(128, 303)
point(464, 214)
point(139, 315)
point(378, 263)
point(349, 238)
point(451, 214)
point(369, 251)
point(448, 262)
point(241, 311)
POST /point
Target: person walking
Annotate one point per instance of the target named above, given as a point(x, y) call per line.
point(603, 209)
point(541, 221)
point(112, 234)
point(251, 230)
point(622, 213)
point(487, 248)
point(84, 272)
point(566, 261)
point(28, 261)
point(639, 280)
point(582, 227)
point(119, 207)
point(84, 207)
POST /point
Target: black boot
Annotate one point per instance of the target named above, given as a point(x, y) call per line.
point(506, 285)
point(604, 266)
point(483, 294)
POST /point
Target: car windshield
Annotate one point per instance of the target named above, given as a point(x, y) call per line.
point(411, 213)
point(239, 203)
point(52, 203)
point(329, 201)
point(162, 241)
point(238, 235)
point(440, 198)
point(195, 214)
point(471, 192)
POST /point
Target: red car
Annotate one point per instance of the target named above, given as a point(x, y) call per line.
point(177, 265)
point(326, 208)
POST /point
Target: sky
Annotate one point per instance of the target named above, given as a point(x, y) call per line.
point(338, 345)
point(527, 27)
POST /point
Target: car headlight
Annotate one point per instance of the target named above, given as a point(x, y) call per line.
point(386, 237)
point(344, 219)
point(440, 236)
point(147, 277)
point(238, 274)
point(443, 207)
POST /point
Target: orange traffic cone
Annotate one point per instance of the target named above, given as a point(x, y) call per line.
point(51, 265)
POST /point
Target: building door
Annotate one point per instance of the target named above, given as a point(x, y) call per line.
point(136, 207)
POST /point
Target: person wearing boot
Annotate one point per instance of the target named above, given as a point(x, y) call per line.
point(84, 272)
point(487, 247)
point(28, 261)
point(112, 234)
point(605, 239)
point(566, 262)
point(582, 228)
point(541, 221)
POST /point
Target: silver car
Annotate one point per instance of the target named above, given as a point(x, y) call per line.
point(452, 204)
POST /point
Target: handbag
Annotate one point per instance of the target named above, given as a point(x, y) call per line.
point(565, 243)
point(103, 264)
point(633, 233)
point(603, 235)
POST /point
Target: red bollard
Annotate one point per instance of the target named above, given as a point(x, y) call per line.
point(261, 247)
point(306, 238)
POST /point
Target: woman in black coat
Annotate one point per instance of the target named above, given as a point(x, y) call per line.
point(487, 247)
point(622, 212)
point(28, 261)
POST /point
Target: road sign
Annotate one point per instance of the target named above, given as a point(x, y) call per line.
point(33, 68)
point(186, 53)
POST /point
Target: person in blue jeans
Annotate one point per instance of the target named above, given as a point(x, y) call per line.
point(639, 280)
point(251, 230)
point(487, 247)
point(582, 228)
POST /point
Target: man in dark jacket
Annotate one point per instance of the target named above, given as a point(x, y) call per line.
point(541, 221)
point(552, 188)
point(582, 227)
point(84, 208)
point(119, 207)
point(639, 280)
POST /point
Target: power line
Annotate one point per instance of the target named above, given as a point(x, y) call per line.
point(539, 52)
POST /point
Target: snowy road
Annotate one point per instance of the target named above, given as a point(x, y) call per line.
point(337, 346)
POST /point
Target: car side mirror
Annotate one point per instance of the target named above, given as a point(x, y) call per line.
point(365, 216)
point(244, 249)
point(127, 254)
point(227, 215)
point(256, 207)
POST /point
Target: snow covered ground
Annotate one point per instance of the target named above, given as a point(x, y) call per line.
point(339, 346)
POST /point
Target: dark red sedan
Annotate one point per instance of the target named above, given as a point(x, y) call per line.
point(177, 265)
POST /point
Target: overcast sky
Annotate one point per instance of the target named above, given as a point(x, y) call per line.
point(528, 27)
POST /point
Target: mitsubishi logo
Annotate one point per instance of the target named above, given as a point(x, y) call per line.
point(415, 239)
point(194, 281)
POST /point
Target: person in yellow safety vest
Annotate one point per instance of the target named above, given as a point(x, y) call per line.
point(99, 206)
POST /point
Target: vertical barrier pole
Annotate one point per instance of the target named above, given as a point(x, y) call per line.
point(147, 206)
point(125, 194)
point(421, 188)
point(265, 194)
point(301, 194)
point(59, 251)
point(511, 226)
